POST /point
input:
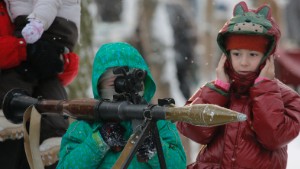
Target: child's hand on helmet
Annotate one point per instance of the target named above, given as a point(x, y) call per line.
point(269, 69)
point(220, 70)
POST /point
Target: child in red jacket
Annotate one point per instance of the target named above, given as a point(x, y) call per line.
point(246, 83)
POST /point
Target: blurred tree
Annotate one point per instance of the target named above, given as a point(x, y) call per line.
point(80, 86)
point(184, 32)
point(109, 10)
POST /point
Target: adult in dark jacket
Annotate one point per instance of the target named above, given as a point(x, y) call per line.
point(42, 70)
point(245, 83)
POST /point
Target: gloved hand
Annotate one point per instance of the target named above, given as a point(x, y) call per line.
point(147, 150)
point(113, 135)
point(71, 66)
point(45, 58)
point(33, 31)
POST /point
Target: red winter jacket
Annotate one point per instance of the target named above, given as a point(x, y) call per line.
point(12, 49)
point(273, 111)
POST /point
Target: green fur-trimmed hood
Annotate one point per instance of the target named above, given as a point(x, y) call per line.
point(120, 54)
point(247, 21)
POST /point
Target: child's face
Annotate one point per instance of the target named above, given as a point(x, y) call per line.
point(106, 86)
point(107, 83)
point(245, 61)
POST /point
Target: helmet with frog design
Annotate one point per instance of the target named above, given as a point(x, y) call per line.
point(247, 21)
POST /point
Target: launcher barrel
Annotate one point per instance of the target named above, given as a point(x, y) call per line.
point(16, 101)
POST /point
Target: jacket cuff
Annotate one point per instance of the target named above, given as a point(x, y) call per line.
point(71, 67)
point(213, 87)
point(222, 85)
point(100, 142)
point(259, 79)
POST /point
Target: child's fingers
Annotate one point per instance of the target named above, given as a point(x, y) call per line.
point(267, 64)
point(220, 70)
point(222, 61)
point(269, 68)
point(271, 64)
point(272, 59)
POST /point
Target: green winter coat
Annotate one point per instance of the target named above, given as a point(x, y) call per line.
point(83, 147)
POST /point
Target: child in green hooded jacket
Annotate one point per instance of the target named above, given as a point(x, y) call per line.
point(89, 145)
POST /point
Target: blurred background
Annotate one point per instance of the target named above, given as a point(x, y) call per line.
point(178, 40)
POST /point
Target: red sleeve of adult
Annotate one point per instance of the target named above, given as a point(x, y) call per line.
point(71, 66)
point(13, 51)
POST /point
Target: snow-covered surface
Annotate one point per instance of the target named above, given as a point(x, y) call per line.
point(293, 154)
point(165, 37)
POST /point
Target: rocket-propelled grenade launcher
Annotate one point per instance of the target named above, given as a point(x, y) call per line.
point(16, 101)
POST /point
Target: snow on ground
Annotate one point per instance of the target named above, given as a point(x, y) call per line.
point(293, 154)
